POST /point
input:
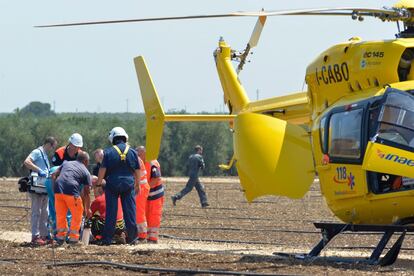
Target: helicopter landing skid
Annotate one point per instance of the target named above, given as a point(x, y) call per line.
point(330, 230)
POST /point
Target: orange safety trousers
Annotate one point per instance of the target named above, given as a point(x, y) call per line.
point(154, 214)
point(141, 202)
point(62, 204)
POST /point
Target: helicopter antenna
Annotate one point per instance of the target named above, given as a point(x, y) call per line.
point(254, 40)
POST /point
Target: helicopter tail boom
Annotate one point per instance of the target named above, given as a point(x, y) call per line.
point(294, 108)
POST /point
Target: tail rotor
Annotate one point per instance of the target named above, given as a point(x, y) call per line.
point(254, 40)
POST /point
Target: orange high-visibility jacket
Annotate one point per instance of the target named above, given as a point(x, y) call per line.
point(148, 166)
point(143, 180)
point(157, 190)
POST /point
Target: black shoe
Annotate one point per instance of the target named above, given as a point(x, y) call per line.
point(74, 243)
point(134, 241)
point(59, 242)
point(102, 243)
point(174, 200)
point(205, 205)
point(119, 239)
point(152, 241)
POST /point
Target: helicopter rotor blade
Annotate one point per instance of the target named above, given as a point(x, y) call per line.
point(393, 14)
point(254, 40)
point(257, 31)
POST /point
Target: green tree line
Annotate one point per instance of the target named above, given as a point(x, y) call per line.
point(25, 129)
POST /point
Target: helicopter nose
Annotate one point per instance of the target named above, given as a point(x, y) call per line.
point(273, 156)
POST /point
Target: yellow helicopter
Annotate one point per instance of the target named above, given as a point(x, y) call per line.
point(354, 126)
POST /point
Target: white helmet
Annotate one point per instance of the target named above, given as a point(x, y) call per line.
point(76, 140)
point(116, 132)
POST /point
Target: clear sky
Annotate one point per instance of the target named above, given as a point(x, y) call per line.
point(90, 68)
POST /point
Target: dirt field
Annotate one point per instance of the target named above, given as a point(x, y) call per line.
point(230, 235)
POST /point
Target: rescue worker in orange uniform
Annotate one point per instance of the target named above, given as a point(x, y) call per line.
point(68, 180)
point(141, 202)
point(69, 151)
point(155, 199)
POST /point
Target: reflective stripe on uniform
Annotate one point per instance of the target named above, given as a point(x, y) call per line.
point(61, 233)
point(73, 235)
point(76, 232)
point(156, 192)
point(143, 181)
point(142, 227)
point(153, 232)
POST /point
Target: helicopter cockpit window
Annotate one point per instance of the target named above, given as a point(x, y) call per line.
point(396, 120)
point(396, 128)
point(345, 134)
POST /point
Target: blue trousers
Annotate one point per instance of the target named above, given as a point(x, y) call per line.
point(127, 193)
point(191, 183)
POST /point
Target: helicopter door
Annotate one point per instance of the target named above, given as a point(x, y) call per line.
point(390, 151)
point(342, 145)
point(273, 157)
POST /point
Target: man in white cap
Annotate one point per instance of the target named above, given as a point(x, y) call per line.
point(68, 152)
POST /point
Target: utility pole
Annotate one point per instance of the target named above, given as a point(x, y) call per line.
point(127, 105)
point(257, 94)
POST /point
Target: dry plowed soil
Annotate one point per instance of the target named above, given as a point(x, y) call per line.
point(231, 236)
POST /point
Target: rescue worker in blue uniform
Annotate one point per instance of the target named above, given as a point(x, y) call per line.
point(121, 169)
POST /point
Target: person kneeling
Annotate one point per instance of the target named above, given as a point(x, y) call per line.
point(98, 208)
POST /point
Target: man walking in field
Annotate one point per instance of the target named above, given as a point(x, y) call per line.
point(195, 163)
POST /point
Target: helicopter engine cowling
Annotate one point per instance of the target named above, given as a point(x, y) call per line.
point(273, 157)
